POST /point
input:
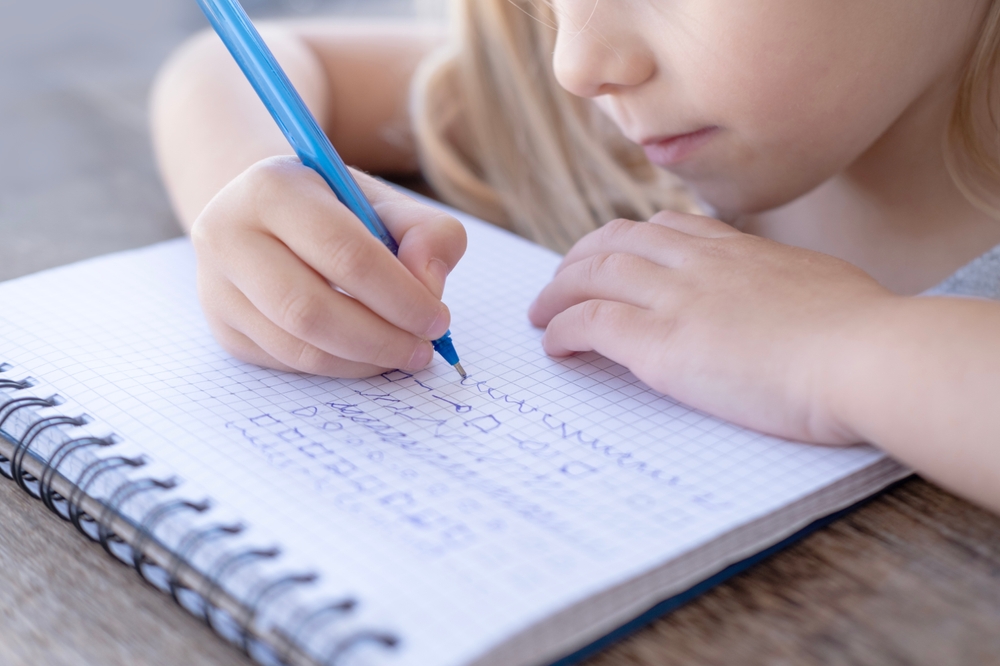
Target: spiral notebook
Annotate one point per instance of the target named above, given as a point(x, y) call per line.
point(513, 518)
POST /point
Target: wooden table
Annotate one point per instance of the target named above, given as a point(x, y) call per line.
point(912, 578)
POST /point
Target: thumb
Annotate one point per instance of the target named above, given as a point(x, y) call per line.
point(432, 247)
point(431, 242)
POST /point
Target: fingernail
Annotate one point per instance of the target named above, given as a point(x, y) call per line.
point(440, 325)
point(438, 270)
point(421, 356)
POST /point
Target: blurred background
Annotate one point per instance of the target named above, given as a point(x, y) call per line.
point(77, 177)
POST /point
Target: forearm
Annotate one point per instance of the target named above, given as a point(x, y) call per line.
point(209, 125)
point(921, 380)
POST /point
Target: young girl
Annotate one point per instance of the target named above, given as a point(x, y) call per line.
point(846, 154)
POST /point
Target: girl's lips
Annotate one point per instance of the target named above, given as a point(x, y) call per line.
point(665, 151)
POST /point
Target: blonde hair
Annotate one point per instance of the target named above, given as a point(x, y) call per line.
point(498, 136)
point(972, 142)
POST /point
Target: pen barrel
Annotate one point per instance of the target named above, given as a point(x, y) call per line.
point(286, 106)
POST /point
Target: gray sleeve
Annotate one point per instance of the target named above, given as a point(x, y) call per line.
point(980, 277)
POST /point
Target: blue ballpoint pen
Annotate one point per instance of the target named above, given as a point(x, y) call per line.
point(299, 126)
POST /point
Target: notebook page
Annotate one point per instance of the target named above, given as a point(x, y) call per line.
point(459, 512)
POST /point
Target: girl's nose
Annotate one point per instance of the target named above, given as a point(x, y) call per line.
point(598, 57)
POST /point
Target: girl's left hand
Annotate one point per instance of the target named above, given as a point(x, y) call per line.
point(742, 327)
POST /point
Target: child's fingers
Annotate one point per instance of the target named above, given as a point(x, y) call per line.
point(245, 349)
point(299, 301)
point(657, 243)
point(615, 330)
point(326, 236)
point(432, 249)
point(431, 242)
point(257, 340)
point(615, 276)
point(399, 212)
point(693, 225)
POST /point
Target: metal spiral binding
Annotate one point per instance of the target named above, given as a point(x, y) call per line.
point(53, 501)
point(112, 543)
point(308, 623)
point(169, 578)
point(150, 571)
point(15, 470)
point(222, 622)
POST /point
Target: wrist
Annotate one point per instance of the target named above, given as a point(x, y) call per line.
point(858, 363)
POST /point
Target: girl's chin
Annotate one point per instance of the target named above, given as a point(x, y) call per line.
point(729, 197)
point(722, 203)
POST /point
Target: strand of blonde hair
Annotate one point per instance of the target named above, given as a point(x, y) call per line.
point(972, 142)
point(500, 138)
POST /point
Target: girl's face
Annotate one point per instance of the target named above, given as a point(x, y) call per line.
point(756, 102)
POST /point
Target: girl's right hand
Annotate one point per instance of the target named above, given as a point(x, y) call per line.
point(274, 240)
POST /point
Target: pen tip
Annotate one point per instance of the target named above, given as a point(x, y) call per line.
point(461, 370)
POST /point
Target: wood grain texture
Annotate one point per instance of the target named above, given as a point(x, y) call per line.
point(912, 578)
point(64, 601)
